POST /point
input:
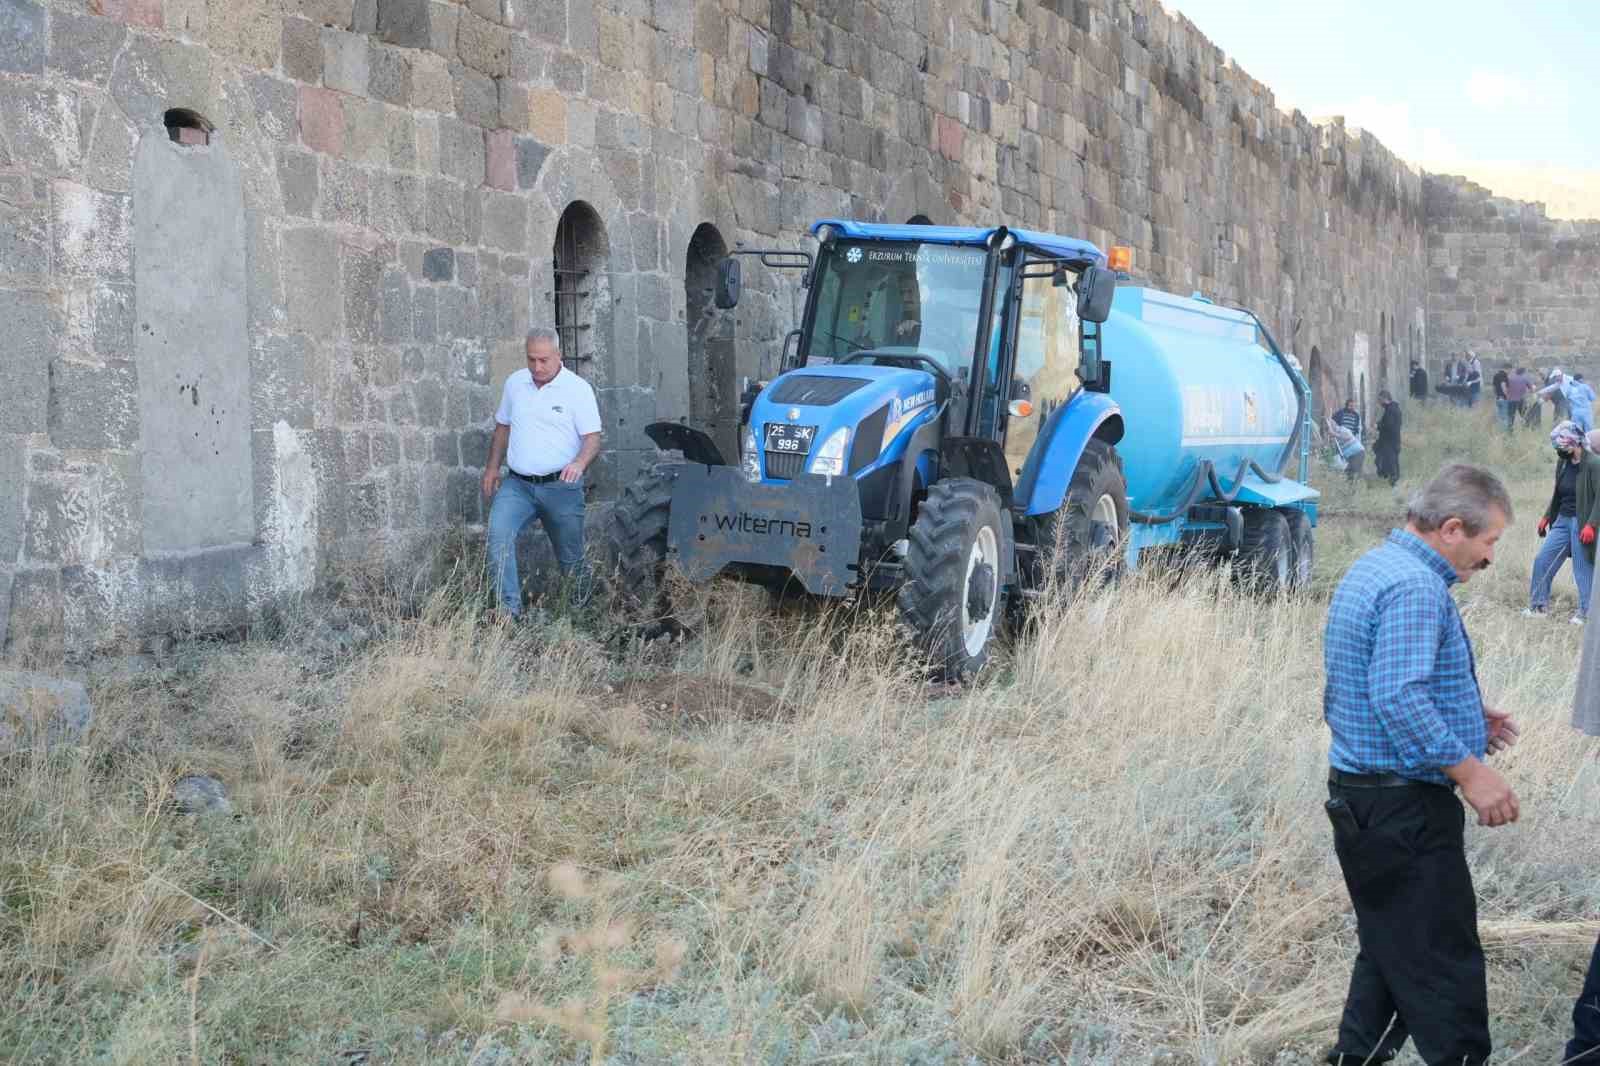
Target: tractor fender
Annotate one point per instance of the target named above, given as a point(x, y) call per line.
point(695, 445)
point(1042, 486)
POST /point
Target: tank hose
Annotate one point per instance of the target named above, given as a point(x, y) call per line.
point(1205, 476)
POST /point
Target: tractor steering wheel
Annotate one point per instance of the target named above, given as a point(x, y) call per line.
point(939, 372)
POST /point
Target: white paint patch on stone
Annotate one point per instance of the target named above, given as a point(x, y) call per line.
point(294, 509)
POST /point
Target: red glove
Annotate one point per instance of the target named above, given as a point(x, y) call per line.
point(1544, 526)
point(1587, 535)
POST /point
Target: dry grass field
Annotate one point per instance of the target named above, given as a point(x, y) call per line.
point(772, 843)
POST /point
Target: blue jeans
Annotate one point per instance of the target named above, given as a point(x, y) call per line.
point(1505, 410)
point(1561, 544)
point(1585, 1044)
point(559, 506)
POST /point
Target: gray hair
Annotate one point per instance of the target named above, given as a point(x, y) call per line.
point(1462, 491)
point(546, 334)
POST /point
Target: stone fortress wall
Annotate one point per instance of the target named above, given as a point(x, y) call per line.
point(1509, 282)
point(264, 344)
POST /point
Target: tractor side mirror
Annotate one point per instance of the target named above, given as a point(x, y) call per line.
point(1096, 287)
point(729, 284)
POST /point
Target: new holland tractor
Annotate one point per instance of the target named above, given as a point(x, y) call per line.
point(968, 415)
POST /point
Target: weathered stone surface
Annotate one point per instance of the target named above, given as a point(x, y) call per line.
point(248, 32)
point(145, 13)
point(344, 61)
point(483, 45)
point(41, 125)
point(461, 151)
point(93, 406)
point(501, 163)
point(13, 491)
point(152, 75)
point(337, 13)
point(24, 375)
point(322, 120)
point(92, 233)
point(389, 74)
point(477, 99)
point(407, 23)
point(302, 50)
point(39, 710)
point(439, 264)
point(82, 47)
point(311, 279)
point(297, 181)
point(531, 155)
point(547, 116)
point(505, 221)
point(431, 87)
point(22, 44)
point(24, 240)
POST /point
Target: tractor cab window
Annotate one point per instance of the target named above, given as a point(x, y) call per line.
point(1043, 375)
point(897, 298)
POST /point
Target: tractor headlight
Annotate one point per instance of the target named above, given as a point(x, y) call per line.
point(829, 459)
point(750, 462)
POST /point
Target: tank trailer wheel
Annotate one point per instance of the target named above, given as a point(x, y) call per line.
point(1264, 565)
point(952, 598)
point(1081, 541)
point(636, 546)
point(1302, 549)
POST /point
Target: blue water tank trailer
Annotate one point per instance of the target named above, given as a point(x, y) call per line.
point(974, 419)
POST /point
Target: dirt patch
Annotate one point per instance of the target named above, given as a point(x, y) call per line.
point(1371, 518)
point(684, 699)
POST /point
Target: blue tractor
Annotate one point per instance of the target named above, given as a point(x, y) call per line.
point(968, 416)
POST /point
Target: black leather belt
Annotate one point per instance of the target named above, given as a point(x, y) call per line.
point(1348, 780)
point(535, 479)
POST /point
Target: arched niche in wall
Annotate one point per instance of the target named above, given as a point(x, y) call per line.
point(713, 385)
point(582, 294)
point(192, 341)
point(919, 220)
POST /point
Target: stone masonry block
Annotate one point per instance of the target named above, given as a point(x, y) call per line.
point(249, 32)
point(547, 116)
point(93, 235)
point(41, 126)
point(446, 212)
point(530, 161)
point(501, 165)
point(21, 37)
point(281, 387)
point(94, 407)
point(322, 120)
point(30, 326)
point(366, 131)
point(399, 203)
point(407, 23)
point(389, 74)
point(297, 180)
point(150, 73)
point(394, 307)
point(302, 50)
point(311, 279)
point(431, 87)
point(505, 221)
point(477, 98)
point(461, 151)
point(24, 239)
point(83, 47)
point(344, 61)
point(114, 317)
point(339, 14)
point(483, 45)
point(13, 490)
point(145, 13)
point(439, 264)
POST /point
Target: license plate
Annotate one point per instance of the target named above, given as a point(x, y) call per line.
point(786, 438)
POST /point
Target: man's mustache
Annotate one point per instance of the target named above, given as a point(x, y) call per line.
point(1482, 565)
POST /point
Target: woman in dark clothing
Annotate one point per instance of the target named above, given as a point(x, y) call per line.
point(1386, 449)
point(1569, 523)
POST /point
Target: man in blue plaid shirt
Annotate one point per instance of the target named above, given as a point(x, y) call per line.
point(1409, 727)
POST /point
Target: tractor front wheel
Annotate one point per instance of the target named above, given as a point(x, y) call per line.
point(953, 595)
point(636, 544)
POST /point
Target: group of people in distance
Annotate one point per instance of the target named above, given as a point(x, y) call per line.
point(1518, 391)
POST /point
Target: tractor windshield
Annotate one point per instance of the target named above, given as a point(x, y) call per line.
point(897, 298)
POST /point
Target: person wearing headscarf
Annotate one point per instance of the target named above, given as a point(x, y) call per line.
point(1584, 1047)
point(1570, 522)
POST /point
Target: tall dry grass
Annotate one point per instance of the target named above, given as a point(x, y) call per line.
point(772, 842)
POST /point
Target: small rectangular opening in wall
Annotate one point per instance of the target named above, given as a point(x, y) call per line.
point(187, 127)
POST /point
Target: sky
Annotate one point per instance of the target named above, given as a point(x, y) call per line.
point(1442, 83)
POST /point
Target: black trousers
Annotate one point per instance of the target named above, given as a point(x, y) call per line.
point(1420, 971)
point(1584, 1047)
point(1388, 460)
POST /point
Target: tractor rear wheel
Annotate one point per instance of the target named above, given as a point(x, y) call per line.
point(1264, 562)
point(1302, 548)
point(636, 544)
point(1082, 540)
point(953, 594)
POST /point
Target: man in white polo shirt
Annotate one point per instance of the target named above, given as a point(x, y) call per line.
point(547, 431)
